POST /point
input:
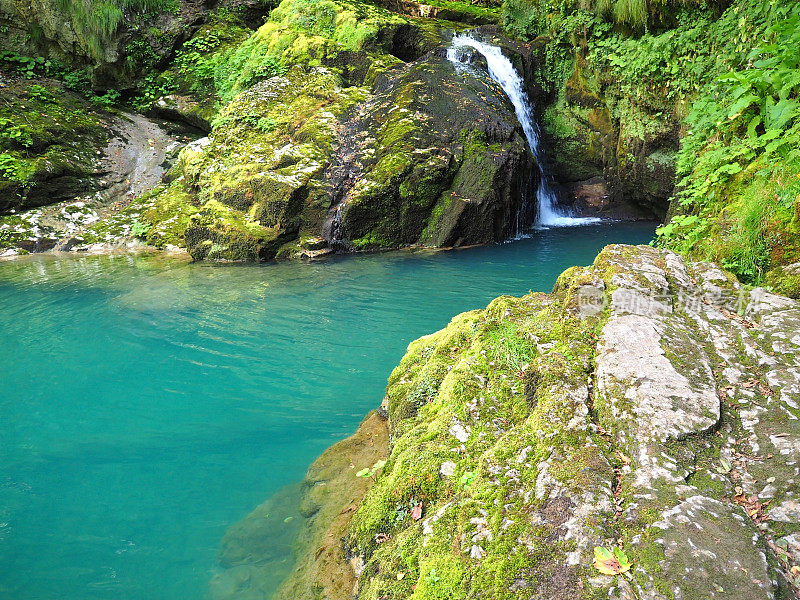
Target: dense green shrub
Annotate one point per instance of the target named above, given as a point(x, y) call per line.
point(739, 165)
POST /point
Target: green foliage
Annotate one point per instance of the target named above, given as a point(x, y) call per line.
point(198, 60)
point(95, 21)
point(565, 18)
point(109, 98)
point(27, 66)
point(40, 93)
point(371, 472)
point(139, 229)
point(12, 135)
point(10, 168)
point(77, 80)
point(151, 88)
point(139, 54)
point(739, 162)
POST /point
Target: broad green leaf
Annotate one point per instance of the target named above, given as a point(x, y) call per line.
point(751, 128)
point(741, 105)
point(622, 559)
point(780, 113)
point(606, 562)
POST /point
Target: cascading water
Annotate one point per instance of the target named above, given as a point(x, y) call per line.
point(502, 71)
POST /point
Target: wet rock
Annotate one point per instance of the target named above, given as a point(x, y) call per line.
point(589, 140)
point(182, 108)
point(593, 197)
point(441, 160)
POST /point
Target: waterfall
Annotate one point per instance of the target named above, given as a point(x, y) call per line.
point(549, 214)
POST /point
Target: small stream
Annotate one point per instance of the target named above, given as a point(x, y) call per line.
point(149, 403)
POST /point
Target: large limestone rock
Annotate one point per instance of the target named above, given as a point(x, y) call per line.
point(647, 402)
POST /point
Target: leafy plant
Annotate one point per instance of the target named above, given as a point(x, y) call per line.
point(140, 230)
point(152, 88)
point(371, 472)
point(742, 152)
point(14, 135)
point(611, 562)
point(10, 168)
point(468, 478)
point(432, 577)
point(110, 98)
point(40, 93)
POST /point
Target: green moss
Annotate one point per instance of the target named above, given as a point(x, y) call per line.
point(95, 21)
point(170, 215)
point(784, 281)
point(46, 132)
point(441, 578)
point(217, 232)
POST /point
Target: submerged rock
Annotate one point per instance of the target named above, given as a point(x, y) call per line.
point(646, 402)
point(326, 500)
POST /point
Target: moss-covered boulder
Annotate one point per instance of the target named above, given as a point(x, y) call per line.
point(646, 403)
point(259, 177)
point(372, 139)
point(49, 144)
point(438, 158)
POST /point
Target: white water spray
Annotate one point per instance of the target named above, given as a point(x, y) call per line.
point(502, 71)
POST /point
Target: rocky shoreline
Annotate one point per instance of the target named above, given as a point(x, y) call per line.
point(646, 403)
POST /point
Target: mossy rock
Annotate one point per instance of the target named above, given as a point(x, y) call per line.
point(442, 161)
point(528, 433)
point(259, 176)
point(54, 137)
point(784, 280)
point(594, 129)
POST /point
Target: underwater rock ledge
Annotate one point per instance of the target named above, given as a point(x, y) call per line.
point(646, 402)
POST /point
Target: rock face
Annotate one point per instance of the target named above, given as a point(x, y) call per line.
point(646, 403)
point(54, 151)
point(440, 159)
point(371, 140)
point(594, 131)
point(77, 32)
point(73, 167)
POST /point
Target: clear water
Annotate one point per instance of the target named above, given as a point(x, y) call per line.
point(548, 213)
point(146, 403)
